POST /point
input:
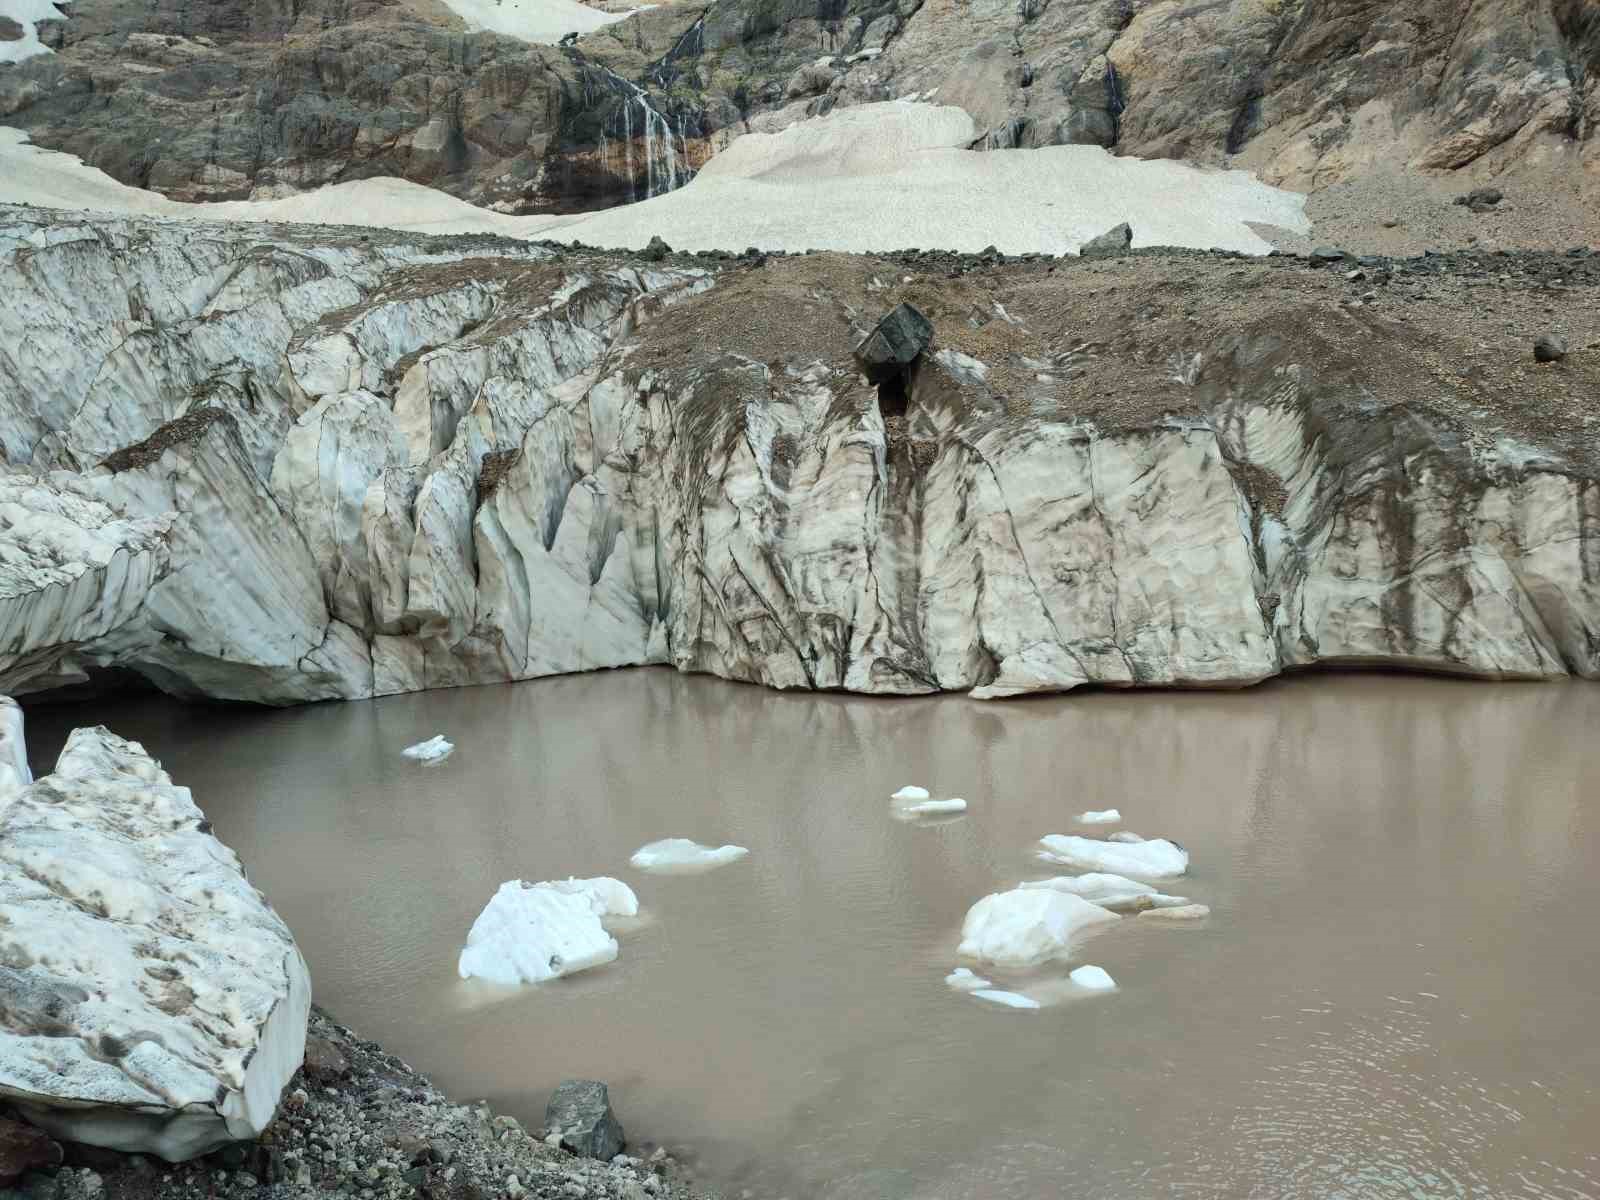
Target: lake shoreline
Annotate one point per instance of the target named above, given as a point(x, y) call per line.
point(356, 1121)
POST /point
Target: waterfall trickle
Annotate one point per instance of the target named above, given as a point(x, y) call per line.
point(662, 143)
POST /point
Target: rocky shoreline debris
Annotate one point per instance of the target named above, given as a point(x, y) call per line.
point(356, 1123)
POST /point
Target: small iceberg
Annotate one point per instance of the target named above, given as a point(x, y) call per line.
point(1092, 979)
point(680, 856)
point(531, 932)
point(1009, 999)
point(1125, 835)
point(432, 750)
point(1180, 912)
point(1105, 816)
point(1028, 926)
point(964, 980)
point(1115, 892)
point(1155, 859)
point(905, 810)
point(910, 792)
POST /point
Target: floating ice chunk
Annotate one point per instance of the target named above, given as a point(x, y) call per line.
point(530, 932)
point(1092, 978)
point(910, 792)
point(1009, 999)
point(911, 811)
point(1180, 912)
point(432, 750)
point(1155, 859)
point(680, 856)
point(964, 980)
point(1027, 926)
point(1115, 892)
point(1125, 835)
point(1104, 816)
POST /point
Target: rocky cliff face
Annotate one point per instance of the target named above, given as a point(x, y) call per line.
point(286, 466)
point(232, 100)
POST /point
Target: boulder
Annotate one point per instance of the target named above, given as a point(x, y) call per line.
point(1111, 244)
point(1324, 255)
point(894, 343)
point(580, 1113)
point(657, 249)
point(153, 1001)
point(24, 1148)
point(1481, 199)
point(1549, 348)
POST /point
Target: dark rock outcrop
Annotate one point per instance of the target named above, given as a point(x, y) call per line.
point(1110, 244)
point(580, 1113)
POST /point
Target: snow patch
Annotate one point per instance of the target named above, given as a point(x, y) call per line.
point(27, 13)
point(680, 856)
point(543, 21)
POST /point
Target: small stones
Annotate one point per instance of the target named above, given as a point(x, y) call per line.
point(1549, 348)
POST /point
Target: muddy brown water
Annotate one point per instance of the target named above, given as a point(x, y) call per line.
point(1397, 994)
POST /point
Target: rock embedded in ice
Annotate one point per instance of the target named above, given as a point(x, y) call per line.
point(680, 856)
point(1181, 912)
point(964, 980)
point(1028, 926)
point(910, 792)
point(532, 932)
point(909, 811)
point(1154, 859)
point(432, 750)
point(150, 999)
point(1093, 979)
point(1105, 816)
point(1115, 892)
point(1008, 999)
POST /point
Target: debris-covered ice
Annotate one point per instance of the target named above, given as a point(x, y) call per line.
point(531, 932)
point(1028, 926)
point(1093, 979)
point(432, 750)
point(1116, 892)
point(911, 792)
point(1125, 835)
point(1009, 999)
point(680, 856)
point(964, 980)
point(1154, 859)
point(1104, 816)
